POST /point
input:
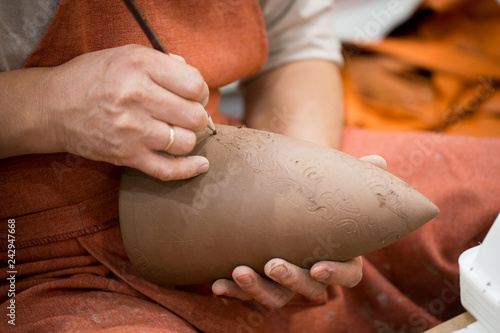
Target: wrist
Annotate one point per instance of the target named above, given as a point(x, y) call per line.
point(44, 103)
point(27, 120)
point(52, 95)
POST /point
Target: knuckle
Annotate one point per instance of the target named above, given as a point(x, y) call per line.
point(281, 299)
point(198, 116)
point(165, 174)
point(174, 173)
point(132, 95)
point(355, 280)
point(178, 57)
point(358, 265)
point(317, 292)
point(119, 156)
point(123, 154)
point(292, 280)
point(189, 141)
point(195, 83)
point(125, 126)
point(124, 95)
point(269, 304)
point(135, 56)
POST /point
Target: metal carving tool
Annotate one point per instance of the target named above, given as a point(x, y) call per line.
point(155, 41)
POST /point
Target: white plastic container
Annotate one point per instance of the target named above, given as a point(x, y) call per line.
point(480, 282)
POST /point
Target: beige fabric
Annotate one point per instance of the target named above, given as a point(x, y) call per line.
point(22, 25)
point(297, 29)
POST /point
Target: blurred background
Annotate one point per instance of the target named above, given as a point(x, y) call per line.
point(352, 17)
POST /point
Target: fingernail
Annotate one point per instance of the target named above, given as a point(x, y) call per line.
point(245, 280)
point(323, 275)
point(205, 102)
point(178, 57)
point(203, 168)
point(279, 272)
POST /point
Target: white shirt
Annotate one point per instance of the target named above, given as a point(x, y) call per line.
point(296, 30)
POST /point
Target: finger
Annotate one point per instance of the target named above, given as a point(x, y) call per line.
point(376, 160)
point(183, 140)
point(168, 107)
point(266, 292)
point(176, 76)
point(178, 57)
point(294, 278)
point(224, 287)
point(157, 136)
point(166, 167)
point(347, 273)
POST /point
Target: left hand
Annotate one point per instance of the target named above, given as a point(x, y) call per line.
point(288, 279)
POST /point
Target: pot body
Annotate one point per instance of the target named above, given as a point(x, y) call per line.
point(265, 196)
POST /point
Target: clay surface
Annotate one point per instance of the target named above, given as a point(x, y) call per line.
point(265, 196)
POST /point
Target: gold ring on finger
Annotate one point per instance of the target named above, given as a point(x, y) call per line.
point(172, 137)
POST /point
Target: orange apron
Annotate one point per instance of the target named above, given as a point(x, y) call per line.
point(60, 196)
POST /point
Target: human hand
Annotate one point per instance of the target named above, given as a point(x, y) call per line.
point(286, 280)
point(118, 104)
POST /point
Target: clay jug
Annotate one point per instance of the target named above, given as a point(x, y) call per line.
point(265, 196)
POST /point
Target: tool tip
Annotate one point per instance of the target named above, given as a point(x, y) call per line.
point(211, 126)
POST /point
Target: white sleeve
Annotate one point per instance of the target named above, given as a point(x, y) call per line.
point(298, 30)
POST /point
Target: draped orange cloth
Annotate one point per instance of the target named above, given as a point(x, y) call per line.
point(440, 71)
point(87, 283)
point(72, 270)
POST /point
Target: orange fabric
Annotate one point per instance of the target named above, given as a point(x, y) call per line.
point(87, 283)
point(441, 73)
point(72, 270)
point(57, 197)
point(211, 37)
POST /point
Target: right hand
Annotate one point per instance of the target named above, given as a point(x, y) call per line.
point(113, 105)
point(284, 279)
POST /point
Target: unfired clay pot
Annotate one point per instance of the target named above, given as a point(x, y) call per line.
point(265, 196)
